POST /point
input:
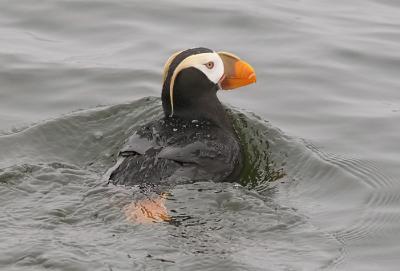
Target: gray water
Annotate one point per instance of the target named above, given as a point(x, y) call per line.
point(321, 190)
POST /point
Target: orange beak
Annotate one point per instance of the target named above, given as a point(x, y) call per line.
point(238, 73)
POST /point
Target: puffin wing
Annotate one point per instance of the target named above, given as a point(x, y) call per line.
point(209, 160)
point(153, 156)
point(146, 138)
point(137, 144)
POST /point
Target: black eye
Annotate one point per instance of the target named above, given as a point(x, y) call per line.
point(209, 65)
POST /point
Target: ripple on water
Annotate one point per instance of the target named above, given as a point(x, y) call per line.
point(292, 211)
point(348, 199)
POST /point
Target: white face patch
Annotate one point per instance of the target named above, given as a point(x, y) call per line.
point(208, 63)
point(211, 65)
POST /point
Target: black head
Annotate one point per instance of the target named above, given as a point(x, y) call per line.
point(192, 79)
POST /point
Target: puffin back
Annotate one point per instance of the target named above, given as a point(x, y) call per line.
point(174, 150)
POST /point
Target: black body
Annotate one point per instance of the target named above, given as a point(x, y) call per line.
point(197, 143)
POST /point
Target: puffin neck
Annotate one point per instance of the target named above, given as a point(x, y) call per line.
point(208, 109)
point(204, 110)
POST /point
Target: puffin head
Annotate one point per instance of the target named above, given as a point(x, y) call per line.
point(192, 78)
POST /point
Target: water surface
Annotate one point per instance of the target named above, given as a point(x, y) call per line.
point(320, 129)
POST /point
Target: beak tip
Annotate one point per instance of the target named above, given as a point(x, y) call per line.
point(252, 77)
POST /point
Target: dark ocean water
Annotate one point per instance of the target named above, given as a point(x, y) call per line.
point(320, 129)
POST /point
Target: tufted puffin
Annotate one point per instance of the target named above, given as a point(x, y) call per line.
point(195, 139)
